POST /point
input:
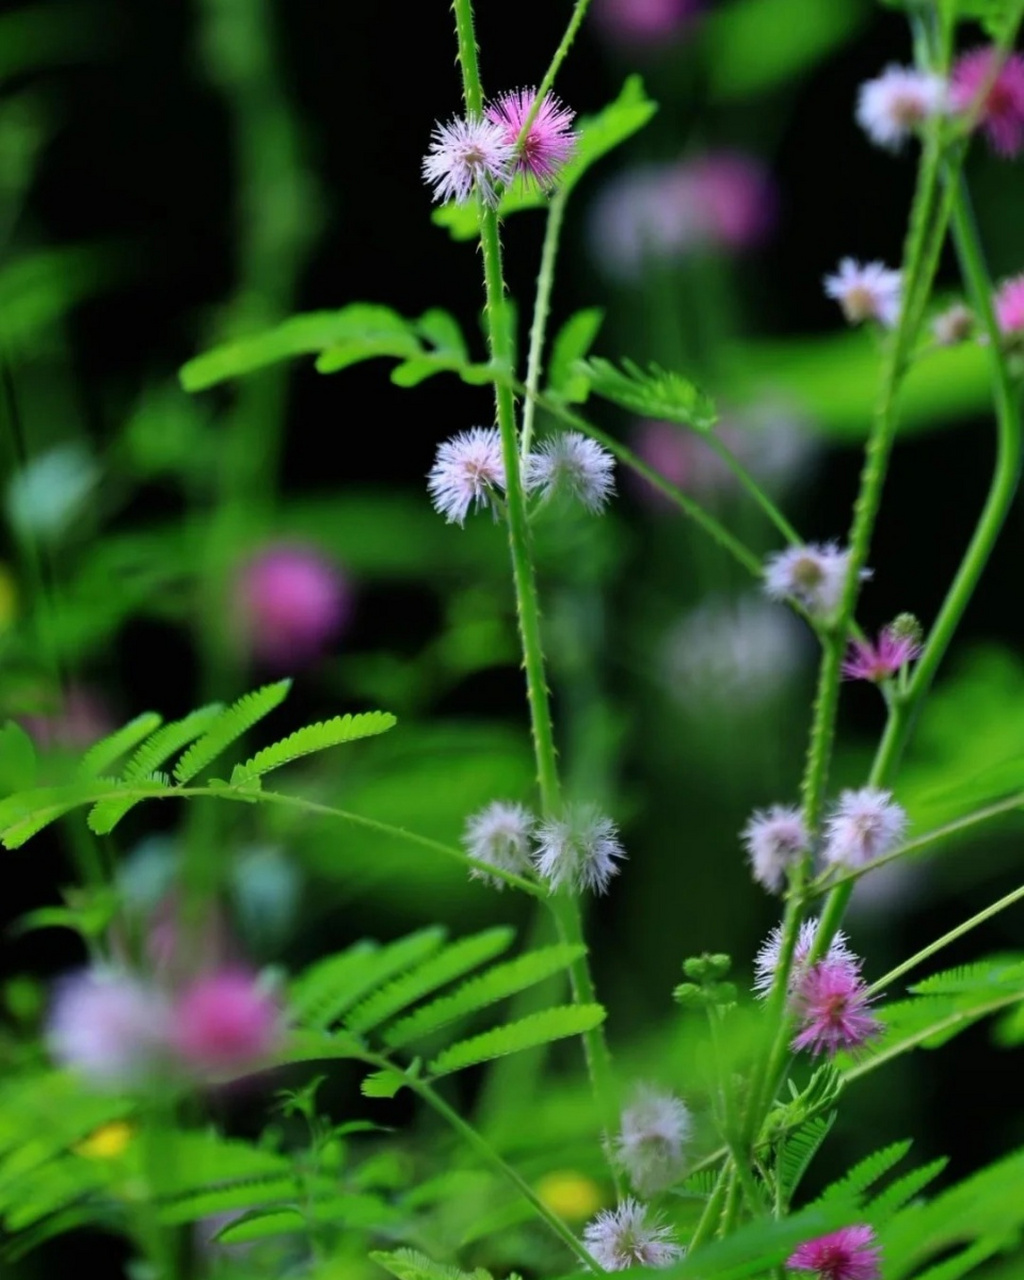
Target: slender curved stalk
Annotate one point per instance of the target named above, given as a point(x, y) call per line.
point(487, 1153)
point(575, 22)
point(491, 1157)
point(998, 810)
point(541, 312)
point(933, 947)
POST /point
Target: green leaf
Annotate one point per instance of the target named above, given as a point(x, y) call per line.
point(497, 983)
point(867, 1171)
point(336, 984)
point(904, 1189)
point(359, 331)
point(527, 1033)
point(799, 1148)
point(25, 813)
point(314, 737)
point(105, 814)
point(229, 725)
point(754, 45)
point(571, 344)
point(383, 1084)
point(98, 759)
point(443, 967)
point(654, 394)
point(599, 134)
point(408, 1264)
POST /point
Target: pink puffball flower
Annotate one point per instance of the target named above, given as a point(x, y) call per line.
point(831, 1000)
point(876, 662)
point(736, 199)
point(578, 851)
point(847, 1254)
point(868, 291)
point(110, 1027)
point(290, 603)
point(225, 1022)
point(469, 468)
point(550, 140)
point(1010, 307)
point(898, 103)
point(645, 22)
point(775, 839)
point(499, 836)
point(626, 1237)
point(863, 825)
point(649, 1145)
point(813, 574)
point(766, 962)
point(989, 87)
point(572, 463)
point(467, 156)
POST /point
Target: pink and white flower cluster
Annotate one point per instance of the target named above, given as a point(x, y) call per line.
point(120, 1030)
point(469, 471)
point(515, 135)
point(579, 850)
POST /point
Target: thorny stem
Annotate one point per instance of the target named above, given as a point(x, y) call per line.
point(565, 909)
point(575, 22)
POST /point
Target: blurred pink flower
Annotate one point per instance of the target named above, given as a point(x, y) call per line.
point(644, 21)
point(990, 85)
point(831, 1000)
point(109, 1026)
point(80, 719)
point(225, 1022)
point(847, 1254)
point(290, 603)
point(719, 200)
point(875, 662)
point(1010, 306)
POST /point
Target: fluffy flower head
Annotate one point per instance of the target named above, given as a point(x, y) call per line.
point(953, 326)
point(579, 851)
point(627, 1237)
point(467, 156)
point(500, 836)
point(774, 838)
point(575, 464)
point(649, 1144)
point(1010, 307)
point(989, 87)
point(863, 826)
point(108, 1026)
point(866, 291)
point(831, 1001)
point(847, 1254)
point(549, 141)
point(766, 961)
point(468, 469)
point(225, 1021)
point(875, 662)
point(897, 103)
point(290, 602)
point(813, 574)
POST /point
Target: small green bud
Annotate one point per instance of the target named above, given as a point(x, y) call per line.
point(906, 627)
point(689, 993)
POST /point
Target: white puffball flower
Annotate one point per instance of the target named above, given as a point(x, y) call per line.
point(649, 1145)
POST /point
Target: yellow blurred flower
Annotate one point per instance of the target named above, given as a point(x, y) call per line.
point(571, 1195)
point(107, 1142)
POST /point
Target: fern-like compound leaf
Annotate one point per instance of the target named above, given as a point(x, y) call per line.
point(529, 1032)
point(799, 1149)
point(229, 725)
point(101, 755)
point(488, 988)
point(443, 967)
point(25, 813)
point(654, 393)
point(314, 737)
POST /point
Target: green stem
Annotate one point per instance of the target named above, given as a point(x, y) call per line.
point(500, 340)
point(927, 952)
point(712, 1211)
point(541, 312)
point(487, 1153)
point(997, 810)
point(742, 554)
point(575, 22)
